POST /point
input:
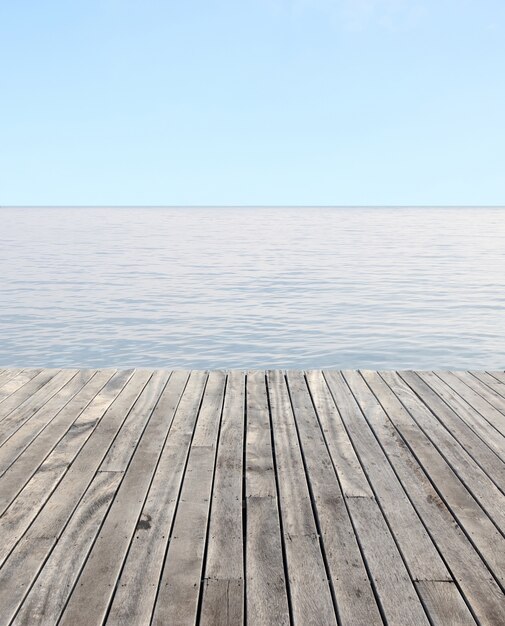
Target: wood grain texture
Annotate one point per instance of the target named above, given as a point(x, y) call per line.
point(482, 427)
point(34, 404)
point(353, 593)
point(311, 597)
point(12, 380)
point(488, 460)
point(463, 562)
point(22, 388)
point(180, 582)
point(22, 438)
point(260, 498)
point(46, 599)
point(465, 507)
point(138, 582)
point(485, 409)
point(98, 579)
point(444, 603)
point(417, 548)
point(266, 600)
point(223, 590)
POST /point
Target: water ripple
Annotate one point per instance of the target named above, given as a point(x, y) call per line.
point(206, 288)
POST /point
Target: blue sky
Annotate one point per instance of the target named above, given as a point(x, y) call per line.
point(252, 102)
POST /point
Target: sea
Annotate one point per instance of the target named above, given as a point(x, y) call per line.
point(253, 287)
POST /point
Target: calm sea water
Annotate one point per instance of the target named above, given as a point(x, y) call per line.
point(246, 287)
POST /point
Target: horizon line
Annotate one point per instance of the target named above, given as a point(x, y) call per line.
point(252, 206)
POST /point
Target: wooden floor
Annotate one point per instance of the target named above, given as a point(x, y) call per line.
point(138, 497)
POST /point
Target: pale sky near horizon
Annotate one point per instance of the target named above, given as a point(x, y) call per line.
point(255, 102)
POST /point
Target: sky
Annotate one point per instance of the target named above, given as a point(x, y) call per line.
point(257, 102)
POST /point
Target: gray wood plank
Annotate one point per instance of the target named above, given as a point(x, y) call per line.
point(24, 392)
point(499, 375)
point(93, 592)
point(465, 508)
point(5, 377)
point(350, 473)
point(179, 590)
point(397, 594)
point(137, 586)
point(482, 488)
point(490, 381)
point(464, 563)
point(46, 599)
point(444, 603)
point(290, 499)
point(65, 442)
point(34, 404)
point(491, 437)
point(421, 556)
point(481, 388)
point(266, 598)
point(486, 410)
point(19, 514)
point(223, 588)
point(18, 441)
point(354, 596)
point(386, 544)
point(488, 460)
point(33, 548)
point(14, 380)
point(310, 592)
point(120, 452)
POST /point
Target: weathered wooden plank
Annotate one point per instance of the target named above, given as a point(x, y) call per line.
point(266, 598)
point(120, 452)
point(397, 594)
point(66, 444)
point(137, 586)
point(14, 380)
point(31, 406)
point(179, 590)
point(30, 552)
point(478, 483)
point(349, 471)
point(488, 460)
point(498, 375)
point(393, 584)
point(490, 381)
point(5, 377)
point(422, 559)
point(25, 391)
point(354, 596)
point(224, 566)
point(92, 595)
point(260, 472)
point(223, 602)
point(36, 492)
point(444, 603)
point(266, 594)
point(308, 583)
point(464, 563)
point(46, 599)
point(481, 388)
point(484, 534)
point(18, 441)
point(491, 437)
point(7, 374)
point(194, 537)
point(486, 410)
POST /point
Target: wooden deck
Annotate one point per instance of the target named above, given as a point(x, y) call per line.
point(138, 497)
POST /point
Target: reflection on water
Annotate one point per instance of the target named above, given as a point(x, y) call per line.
point(209, 288)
